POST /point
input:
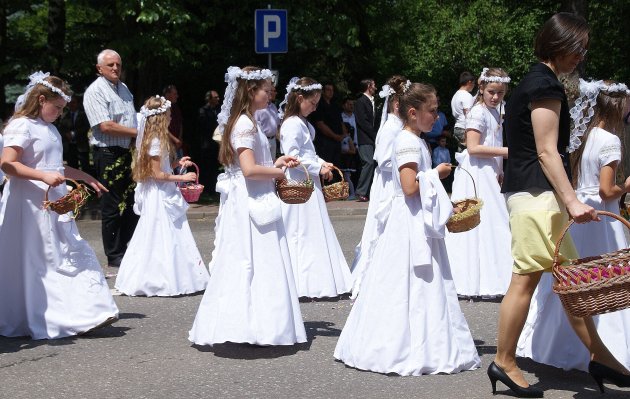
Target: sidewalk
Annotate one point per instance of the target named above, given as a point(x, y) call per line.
point(197, 211)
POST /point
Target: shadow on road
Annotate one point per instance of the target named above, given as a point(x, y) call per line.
point(243, 351)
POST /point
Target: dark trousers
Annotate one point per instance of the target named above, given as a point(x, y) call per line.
point(117, 228)
point(366, 153)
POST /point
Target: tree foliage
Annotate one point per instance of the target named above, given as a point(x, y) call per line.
point(192, 42)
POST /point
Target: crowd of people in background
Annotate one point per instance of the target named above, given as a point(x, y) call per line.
point(408, 271)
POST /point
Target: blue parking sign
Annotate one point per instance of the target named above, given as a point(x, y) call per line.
point(271, 31)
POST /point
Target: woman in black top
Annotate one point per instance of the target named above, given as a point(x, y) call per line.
point(541, 198)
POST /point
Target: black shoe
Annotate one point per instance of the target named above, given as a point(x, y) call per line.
point(599, 372)
point(496, 373)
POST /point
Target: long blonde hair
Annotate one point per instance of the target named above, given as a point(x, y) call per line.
point(156, 126)
point(243, 97)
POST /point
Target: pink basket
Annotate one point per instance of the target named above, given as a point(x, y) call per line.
point(191, 191)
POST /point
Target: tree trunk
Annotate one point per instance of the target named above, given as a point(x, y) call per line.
point(56, 34)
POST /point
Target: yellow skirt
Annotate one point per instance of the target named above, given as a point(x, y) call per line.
point(537, 219)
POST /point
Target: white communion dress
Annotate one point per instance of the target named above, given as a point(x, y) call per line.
point(51, 283)
point(251, 296)
point(406, 319)
point(162, 258)
point(381, 195)
point(481, 261)
point(548, 337)
point(319, 266)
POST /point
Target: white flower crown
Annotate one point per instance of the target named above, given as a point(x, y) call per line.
point(493, 79)
point(233, 73)
point(39, 78)
point(587, 100)
point(293, 86)
point(406, 86)
point(146, 112)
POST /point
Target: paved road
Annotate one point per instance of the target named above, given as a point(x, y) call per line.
point(147, 355)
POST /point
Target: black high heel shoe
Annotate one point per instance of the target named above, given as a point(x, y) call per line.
point(599, 372)
point(496, 373)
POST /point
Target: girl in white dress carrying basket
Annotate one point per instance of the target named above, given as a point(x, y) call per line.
point(382, 190)
point(319, 266)
point(251, 296)
point(547, 336)
point(480, 258)
point(162, 258)
point(52, 285)
point(407, 319)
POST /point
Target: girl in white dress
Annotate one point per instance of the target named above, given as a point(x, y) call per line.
point(52, 285)
point(382, 190)
point(251, 296)
point(162, 258)
point(407, 319)
point(547, 337)
point(319, 266)
point(480, 258)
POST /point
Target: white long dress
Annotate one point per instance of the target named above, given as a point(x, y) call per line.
point(407, 318)
point(480, 258)
point(548, 337)
point(51, 283)
point(162, 258)
point(251, 296)
point(381, 194)
point(319, 266)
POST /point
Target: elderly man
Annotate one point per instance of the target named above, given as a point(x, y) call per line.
point(108, 104)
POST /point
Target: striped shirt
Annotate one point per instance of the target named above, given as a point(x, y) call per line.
point(104, 101)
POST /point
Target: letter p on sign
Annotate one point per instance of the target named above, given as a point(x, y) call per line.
point(271, 31)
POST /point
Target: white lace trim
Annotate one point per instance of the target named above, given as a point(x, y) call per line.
point(582, 112)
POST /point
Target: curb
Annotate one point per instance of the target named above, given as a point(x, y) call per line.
point(199, 212)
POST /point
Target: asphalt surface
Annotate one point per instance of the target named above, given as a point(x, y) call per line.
point(146, 354)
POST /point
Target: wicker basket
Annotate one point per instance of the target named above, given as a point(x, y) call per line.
point(593, 285)
point(73, 201)
point(295, 191)
point(337, 191)
point(466, 212)
point(191, 191)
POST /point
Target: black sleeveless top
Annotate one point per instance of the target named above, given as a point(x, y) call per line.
point(522, 169)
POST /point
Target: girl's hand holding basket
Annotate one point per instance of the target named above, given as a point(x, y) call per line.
point(185, 162)
point(444, 169)
point(53, 179)
point(188, 177)
point(326, 171)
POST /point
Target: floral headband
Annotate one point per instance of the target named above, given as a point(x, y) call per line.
point(231, 78)
point(493, 79)
point(406, 86)
point(293, 86)
point(582, 112)
point(39, 78)
point(385, 92)
point(146, 112)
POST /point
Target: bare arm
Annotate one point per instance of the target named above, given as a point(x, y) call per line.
point(410, 185)
point(159, 174)
point(475, 148)
point(258, 172)
point(116, 129)
point(12, 165)
point(608, 190)
point(545, 122)
point(77, 174)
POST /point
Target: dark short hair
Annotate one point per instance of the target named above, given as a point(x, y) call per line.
point(365, 83)
point(562, 34)
point(466, 77)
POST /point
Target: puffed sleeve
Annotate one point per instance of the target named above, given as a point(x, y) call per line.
point(610, 151)
point(546, 89)
point(475, 119)
point(407, 151)
point(154, 148)
point(17, 133)
point(244, 133)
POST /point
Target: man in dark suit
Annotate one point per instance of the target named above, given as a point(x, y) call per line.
point(364, 111)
